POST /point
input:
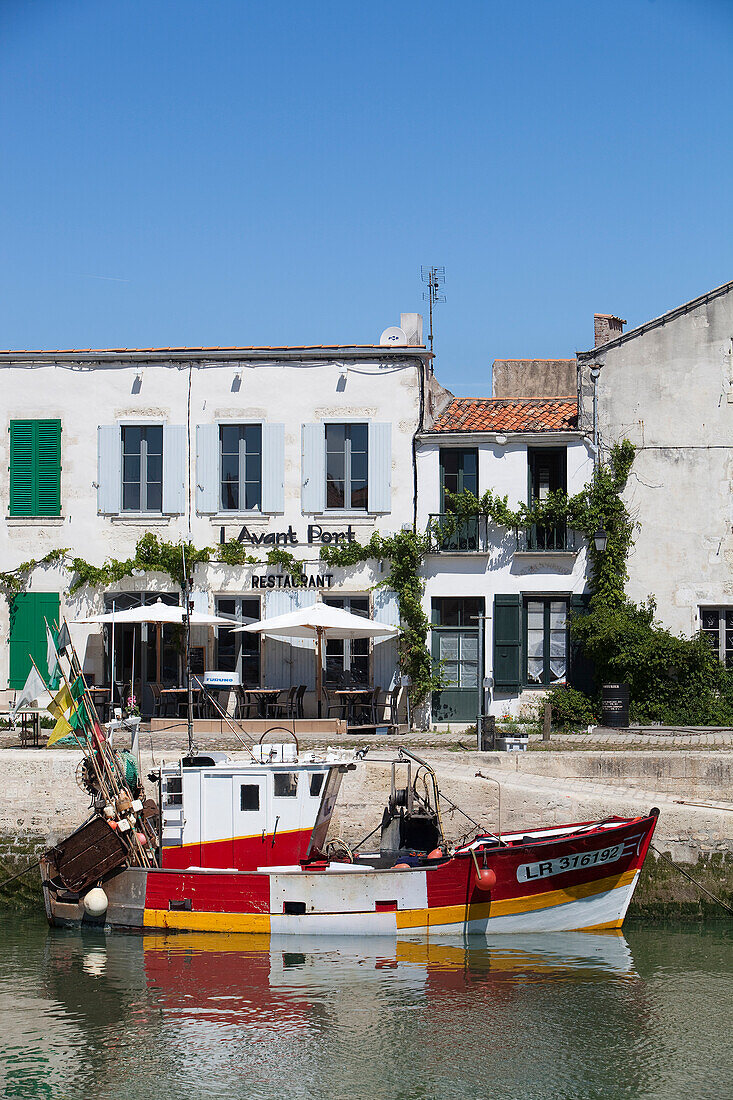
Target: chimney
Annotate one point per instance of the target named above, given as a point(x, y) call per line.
point(411, 325)
point(607, 327)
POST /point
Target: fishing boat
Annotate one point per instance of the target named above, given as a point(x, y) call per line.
point(242, 846)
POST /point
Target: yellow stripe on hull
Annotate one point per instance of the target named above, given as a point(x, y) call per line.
point(458, 914)
point(206, 922)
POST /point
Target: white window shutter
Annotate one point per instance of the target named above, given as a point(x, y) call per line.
point(313, 495)
point(174, 469)
point(385, 609)
point(109, 469)
point(380, 466)
point(207, 468)
point(273, 467)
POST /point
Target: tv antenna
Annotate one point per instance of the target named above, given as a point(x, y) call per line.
point(435, 279)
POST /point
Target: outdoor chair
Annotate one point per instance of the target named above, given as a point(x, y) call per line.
point(246, 705)
point(337, 706)
point(157, 698)
point(389, 707)
point(299, 696)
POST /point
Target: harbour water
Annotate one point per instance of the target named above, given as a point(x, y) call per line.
point(646, 1014)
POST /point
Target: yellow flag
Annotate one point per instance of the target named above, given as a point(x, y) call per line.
point(61, 729)
point(60, 703)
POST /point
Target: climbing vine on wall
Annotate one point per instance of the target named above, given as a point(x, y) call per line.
point(599, 504)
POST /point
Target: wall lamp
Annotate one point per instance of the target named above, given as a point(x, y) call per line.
point(601, 540)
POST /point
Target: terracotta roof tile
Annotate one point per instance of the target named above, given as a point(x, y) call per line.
point(491, 414)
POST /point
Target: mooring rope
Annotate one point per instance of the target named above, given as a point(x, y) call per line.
point(694, 881)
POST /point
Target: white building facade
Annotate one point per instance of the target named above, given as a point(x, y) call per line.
point(289, 448)
point(668, 387)
point(499, 600)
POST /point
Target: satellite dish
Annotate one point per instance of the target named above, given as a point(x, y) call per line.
point(393, 336)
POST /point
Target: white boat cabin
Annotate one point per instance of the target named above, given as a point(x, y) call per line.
point(272, 810)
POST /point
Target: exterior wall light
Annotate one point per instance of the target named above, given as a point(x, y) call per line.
point(601, 540)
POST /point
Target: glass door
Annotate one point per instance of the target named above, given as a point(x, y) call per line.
point(455, 646)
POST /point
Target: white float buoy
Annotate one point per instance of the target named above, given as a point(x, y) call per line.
point(96, 902)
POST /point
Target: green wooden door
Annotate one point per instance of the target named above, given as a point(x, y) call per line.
point(455, 650)
point(28, 610)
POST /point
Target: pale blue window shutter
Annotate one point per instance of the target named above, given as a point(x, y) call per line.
point(313, 496)
point(207, 468)
point(273, 467)
point(109, 469)
point(174, 468)
point(380, 467)
point(385, 609)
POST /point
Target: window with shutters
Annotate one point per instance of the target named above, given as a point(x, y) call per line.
point(240, 465)
point(347, 466)
point(35, 468)
point(142, 469)
point(545, 641)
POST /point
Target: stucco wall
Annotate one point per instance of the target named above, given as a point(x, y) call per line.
point(292, 391)
point(670, 391)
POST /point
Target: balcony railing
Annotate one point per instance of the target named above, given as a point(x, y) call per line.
point(451, 535)
point(552, 539)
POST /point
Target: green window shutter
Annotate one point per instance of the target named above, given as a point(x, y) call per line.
point(507, 642)
point(48, 468)
point(28, 633)
point(22, 467)
point(35, 467)
point(581, 671)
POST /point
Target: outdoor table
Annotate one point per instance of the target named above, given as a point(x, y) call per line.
point(100, 696)
point(266, 699)
point(352, 697)
point(179, 695)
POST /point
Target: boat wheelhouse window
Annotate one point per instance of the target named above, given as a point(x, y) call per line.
point(316, 784)
point(286, 784)
point(174, 790)
point(249, 796)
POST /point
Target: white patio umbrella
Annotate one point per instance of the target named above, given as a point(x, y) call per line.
point(318, 622)
point(157, 612)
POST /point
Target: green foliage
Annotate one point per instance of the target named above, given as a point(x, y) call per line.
point(571, 709)
point(285, 560)
point(13, 581)
point(598, 504)
point(673, 680)
point(405, 551)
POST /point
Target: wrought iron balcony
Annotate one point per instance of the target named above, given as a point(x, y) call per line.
point(553, 539)
point(450, 534)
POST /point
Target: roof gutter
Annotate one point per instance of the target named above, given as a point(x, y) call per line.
point(215, 355)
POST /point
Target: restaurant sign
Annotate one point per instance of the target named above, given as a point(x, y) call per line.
point(286, 580)
point(316, 536)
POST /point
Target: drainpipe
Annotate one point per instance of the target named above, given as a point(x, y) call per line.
point(595, 373)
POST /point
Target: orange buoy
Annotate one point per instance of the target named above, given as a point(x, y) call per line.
point(437, 853)
point(485, 879)
point(113, 824)
point(142, 839)
point(402, 867)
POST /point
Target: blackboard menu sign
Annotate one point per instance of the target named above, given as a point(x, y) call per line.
point(198, 660)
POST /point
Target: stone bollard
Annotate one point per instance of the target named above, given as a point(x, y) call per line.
point(547, 720)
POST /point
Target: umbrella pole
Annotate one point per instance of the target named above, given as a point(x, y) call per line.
point(319, 667)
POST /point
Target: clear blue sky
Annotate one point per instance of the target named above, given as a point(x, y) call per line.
point(225, 172)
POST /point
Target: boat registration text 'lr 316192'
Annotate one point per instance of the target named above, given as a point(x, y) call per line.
point(527, 872)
